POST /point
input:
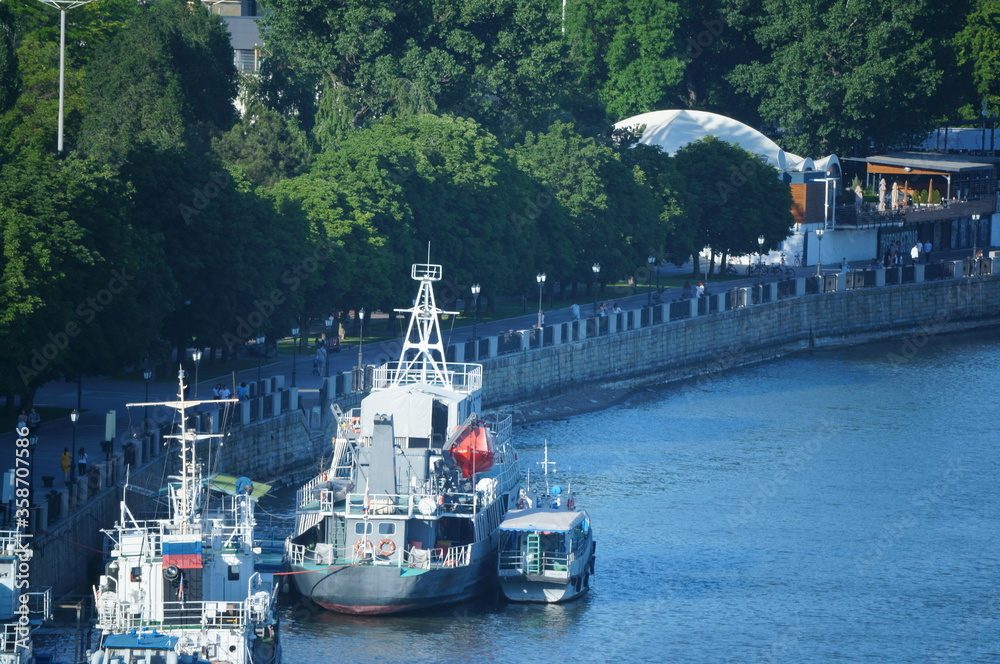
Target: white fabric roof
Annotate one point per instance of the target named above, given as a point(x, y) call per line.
point(542, 519)
point(672, 130)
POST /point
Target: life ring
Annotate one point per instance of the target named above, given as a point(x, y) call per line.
point(441, 499)
point(355, 424)
point(324, 477)
point(522, 503)
point(363, 548)
point(450, 562)
point(381, 548)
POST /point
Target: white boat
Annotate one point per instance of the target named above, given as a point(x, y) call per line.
point(189, 588)
point(405, 516)
point(547, 548)
point(22, 610)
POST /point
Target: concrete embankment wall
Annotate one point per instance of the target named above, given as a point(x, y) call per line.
point(694, 346)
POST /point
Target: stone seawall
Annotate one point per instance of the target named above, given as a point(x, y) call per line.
point(705, 344)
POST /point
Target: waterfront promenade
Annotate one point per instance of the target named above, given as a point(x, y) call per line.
point(100, 395)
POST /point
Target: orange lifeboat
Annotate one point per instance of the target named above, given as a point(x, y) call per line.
point(473, 451)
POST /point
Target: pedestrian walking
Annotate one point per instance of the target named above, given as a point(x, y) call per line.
point(34, 421)
point(915, 253)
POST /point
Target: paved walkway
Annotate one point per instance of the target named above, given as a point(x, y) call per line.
point(102, 394)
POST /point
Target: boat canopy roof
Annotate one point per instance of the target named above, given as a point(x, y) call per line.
point(542, 519)
point(410, 407)
point(141, 641)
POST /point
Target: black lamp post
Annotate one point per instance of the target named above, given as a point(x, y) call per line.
point(540, 278)
point(260, 352)
point(760, 259)
point(196, 356)
point(295, 357)
point(361, 339)
point(819, 252)
point(147, 374)
point(975, 241)
point(74, 416)
point(475, 313)
point(649, 281)
point(597, 276)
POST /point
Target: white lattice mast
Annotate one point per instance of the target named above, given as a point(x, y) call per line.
point(422, 359)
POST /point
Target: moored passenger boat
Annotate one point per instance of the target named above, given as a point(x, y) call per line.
point(547, 549)
point(190, 588)
point(405, 516)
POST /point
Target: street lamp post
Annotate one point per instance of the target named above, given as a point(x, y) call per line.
point(147, 374)
point(361, 335)
point(475, 314)
point(760, 259)
point(260, 353)
point(540, 278)
point(295, 357)
point(597, 276)
point(649, 281)
point(62, 6)
point(74, 416)
point(819, 252)
point(975, 241)
point(196, 356)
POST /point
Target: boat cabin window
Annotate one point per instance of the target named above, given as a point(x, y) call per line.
point(386, 529)
point(418, 442)
point(136, 574)
point(439, 423)
point(362, 528)
point(234, 572)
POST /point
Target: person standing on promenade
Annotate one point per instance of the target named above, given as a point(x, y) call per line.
point(81, 463)
point(927, 252)
point(34, 421)
point(65, 462)
point(915, 253)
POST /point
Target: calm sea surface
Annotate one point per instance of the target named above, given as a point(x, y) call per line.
point(831, 507)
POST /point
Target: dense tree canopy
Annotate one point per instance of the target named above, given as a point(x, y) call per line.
point(375, 129)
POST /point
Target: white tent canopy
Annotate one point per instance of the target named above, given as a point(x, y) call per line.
point(672, 130)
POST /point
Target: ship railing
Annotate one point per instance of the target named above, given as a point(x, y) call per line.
point(11, 637)
point(438, 557)
point(408, 505)
point(295, 553)
point(514, 562)
point(463, 377)
point(191, 615)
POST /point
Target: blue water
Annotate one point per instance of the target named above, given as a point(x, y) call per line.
point(830, 507)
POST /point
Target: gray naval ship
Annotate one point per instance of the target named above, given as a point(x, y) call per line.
point(406, 514)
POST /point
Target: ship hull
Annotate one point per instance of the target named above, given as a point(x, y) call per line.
point(380, 590)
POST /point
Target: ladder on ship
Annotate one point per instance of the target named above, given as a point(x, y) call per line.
point(533, 553)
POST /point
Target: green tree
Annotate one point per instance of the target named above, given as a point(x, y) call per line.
point(500, 63)
point(167, 79)
point(834, 74)
point(611, 219)
point(978, 46)
point(739, 197)
point(266, 146)
point(629, 50)
point(80, 289)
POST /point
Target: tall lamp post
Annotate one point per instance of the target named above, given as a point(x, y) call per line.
point(819, 252)
point(596, 267)
point(196, 356)
point(74, 416)
point(475, 314)
point(975, 241)
point(760, 259)
point(540, 278)
point(649, 281)
point(147, 374)
point(62, 6)
point(260, 354)
point(361, 335)
point(295, 357)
